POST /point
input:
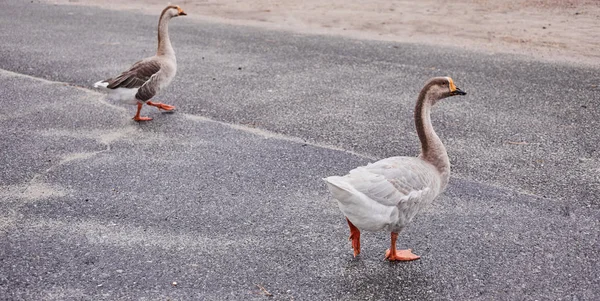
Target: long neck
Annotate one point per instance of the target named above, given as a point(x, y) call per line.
point(432, 148)
point(164, 43)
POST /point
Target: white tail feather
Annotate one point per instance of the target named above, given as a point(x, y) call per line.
point(101, 84)
point(123, 95)
point(339, 188)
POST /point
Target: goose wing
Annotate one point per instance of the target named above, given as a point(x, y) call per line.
point(389, 191)
point(137, 76)
point(393, 181)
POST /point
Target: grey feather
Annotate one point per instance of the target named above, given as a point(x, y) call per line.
point(136, 76)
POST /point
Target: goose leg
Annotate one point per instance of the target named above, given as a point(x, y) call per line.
point(161, 106)
point(400, 255)
point(137, 115)
point(354, 237)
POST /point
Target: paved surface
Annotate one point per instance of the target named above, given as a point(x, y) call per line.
point(94, 206)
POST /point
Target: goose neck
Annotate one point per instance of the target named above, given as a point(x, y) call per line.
point(432, 148)
point(164, 42)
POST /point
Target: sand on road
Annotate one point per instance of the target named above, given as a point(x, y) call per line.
point(551, 30)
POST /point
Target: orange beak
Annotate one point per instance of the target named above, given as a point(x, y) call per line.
point(181, 12)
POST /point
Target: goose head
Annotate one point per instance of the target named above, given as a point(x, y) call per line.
point(172, 11)
point(439, 88)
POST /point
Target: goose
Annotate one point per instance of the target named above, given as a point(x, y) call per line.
point(386, 195)
point(142, 81)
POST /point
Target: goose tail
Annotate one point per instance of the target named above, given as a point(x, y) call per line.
point(101, 84)
point(340, 189)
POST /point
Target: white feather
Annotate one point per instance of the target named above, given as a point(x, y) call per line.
point(386, 194)
point(364, 213)
point(101, 84)
point(122, 95)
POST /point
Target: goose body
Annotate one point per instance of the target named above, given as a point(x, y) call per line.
point(388, 194)
point(144, 79)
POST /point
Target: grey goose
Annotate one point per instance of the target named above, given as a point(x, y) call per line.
point(142, 81)
point(388, 194)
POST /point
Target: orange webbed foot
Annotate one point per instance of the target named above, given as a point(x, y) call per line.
point(161, 106)
point(137, 116)
point(166, 107)
point(141, 118)
point(401, 255)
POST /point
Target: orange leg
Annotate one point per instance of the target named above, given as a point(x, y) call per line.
point(137, 115)
point(161, 106)
point(401, 255)
point(354, 237)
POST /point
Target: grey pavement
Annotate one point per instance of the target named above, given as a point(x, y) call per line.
point(225, 195)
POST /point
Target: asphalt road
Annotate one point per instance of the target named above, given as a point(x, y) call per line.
point(225, 195)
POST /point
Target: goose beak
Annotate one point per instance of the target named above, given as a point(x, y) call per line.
point(454, 90)
point(182, 13)
point(458, 91)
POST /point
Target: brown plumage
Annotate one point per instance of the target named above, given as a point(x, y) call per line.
point(142, 81)
point(138, 76)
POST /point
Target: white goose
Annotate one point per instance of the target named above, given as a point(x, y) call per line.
point(147, 77)
point(386, 195)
